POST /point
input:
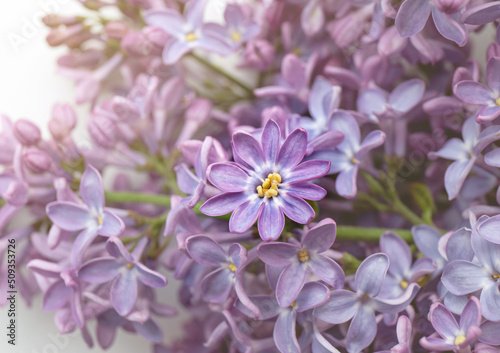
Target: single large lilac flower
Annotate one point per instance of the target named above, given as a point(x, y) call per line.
point(346, 158)
point(361, 306)
point(463, 277)
point(312, 295)
point(454, 337)
point(476, 93)
point(401, 271)
point(265, 182)
point(217, 285)
point(125, 268)
point(186, 33)
point(91, 217)
point(413, 15)
point(300, 259)
point(464, 153)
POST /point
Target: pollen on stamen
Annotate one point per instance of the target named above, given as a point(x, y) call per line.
point(459, 340)
point(497, 101)
point(129, 265)
point(190, 36)
point(235, 36)
point(303, 255)
point(403, 284)
point(232, 267)
point(354, 160)
point(496, 276)
point(269, 187)
point(99, 220)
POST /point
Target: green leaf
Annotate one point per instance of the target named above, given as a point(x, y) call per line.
point(423, 198)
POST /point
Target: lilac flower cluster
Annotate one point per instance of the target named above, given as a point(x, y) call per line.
point(287, 164)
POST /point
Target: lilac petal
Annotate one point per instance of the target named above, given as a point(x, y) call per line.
point(186, 180)
point(412, 16)
point(404, 329)
point(271, 221)
point(277, 254)
point(345, 123)
point(392, 306)
point(486, 252)
point(362, 330)
point(149, 277)
point(311, 296)
point(455, 303)
point(112, 225)
point(339, 161)
point(371, 141)
point(252, 310)
point(115, 248)
point(293, 149)
point(422, 267)
point(371, 273)
point(326, 141)
point(249, 149)
point(56, 296)
point(45, 268)
point(194, 12)
point(223, 204)
point(290, 283)
point(167, 19)
point(490, 302)
point(216, 285)
point(69, 216)
point(490, 229)
point(463, 277)
point(473, 92)
point(345, 184)
point(492, 73)
point(324, 97)
point(149, 330)
point(296, 209)
point(434, 344)
point(455, 175)
point(320, 237)
point(174, 50)
point(267, 305)
point(471, 315)
point(306, 171)
point(271, 138)
point(407, 95)
point(205, 251)
point(340, 308)
point(245, 215)
point(327, 270)
point(398, 252)
point(458, 246)
point(372, 102)
point(490, 332)
point(124, 292)
point(488, 113)
point(293, 71)
point(91, 189)
point(453, 149)
point(307, 191)
point(284, 333)
point(492, 158)
point(237, 254)
point(443, 321)
point(228, 177)
point(82, 242)
point(426, 238)
point(449, 27)
point(100, 270)
point(482, 14)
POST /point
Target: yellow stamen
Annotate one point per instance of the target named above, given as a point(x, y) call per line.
point(269, 187)
point(129, 265)
point(303, 255)
point(459, 340)
point(190, 36)
point(354, 160)
point(293, 305)
point(99, 220)
point(235, 36)
point(496, 276)
point(403, 284)
point(497, 101)
point(232, 267)
point(297, 51)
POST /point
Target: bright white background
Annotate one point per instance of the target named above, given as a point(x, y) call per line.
point(28, 88)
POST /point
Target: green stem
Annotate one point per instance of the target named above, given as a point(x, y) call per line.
point(352, 233)
point(222, 73)
point(400, 208)
point(114, 197)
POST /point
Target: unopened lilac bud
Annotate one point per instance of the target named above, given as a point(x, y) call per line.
point(59, 36)
point(135, 44)
point(450, 6)
point(156, 37)
point(89, 57)
point(259, 54)
point(143, 4)
point(125, 109)
point(53, 20)
point(36, 160)
point(199, 110)
point(26, 132)
point(102, 130)
point(63, 121)
point(116, 29)
point(16, 194)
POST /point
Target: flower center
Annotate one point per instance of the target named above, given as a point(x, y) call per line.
point(190, 36)
point(235, 36)
point(497, 101)
point(129, 265)
point(303, 255)
point(459, 340)
point(403, 284)
point(232, 267)
point(269, 187)
point(293, 305)
point(99, 220)
point(354, 160)
point(496, 276)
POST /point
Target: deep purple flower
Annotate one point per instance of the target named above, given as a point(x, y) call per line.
point(125, 269)
point(454, 337)
point(346, 158)
point(361, 306)
point(186, 33)
point(265, 182)
point(297, 260)
point(476, 93)
point(91, 218)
